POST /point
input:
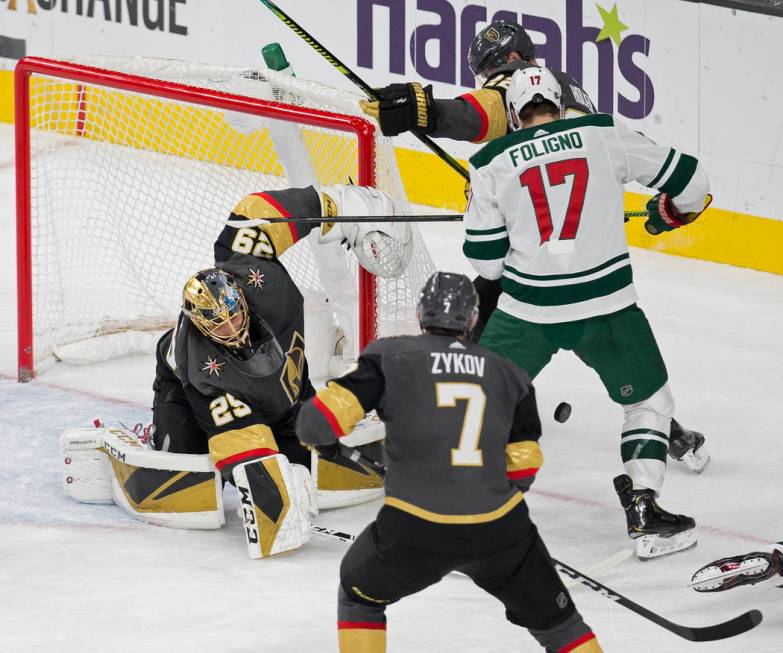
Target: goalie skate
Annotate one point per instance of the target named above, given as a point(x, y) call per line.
point(731, 572)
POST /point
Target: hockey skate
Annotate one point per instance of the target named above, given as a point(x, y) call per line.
point(688, 447)
point(747, 569)
point(656, 531)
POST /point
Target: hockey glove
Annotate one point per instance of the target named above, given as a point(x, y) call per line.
point(402, 108)
point(664, 216)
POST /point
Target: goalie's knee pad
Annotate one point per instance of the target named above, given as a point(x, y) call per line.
point(343, 482)
point(276, 502)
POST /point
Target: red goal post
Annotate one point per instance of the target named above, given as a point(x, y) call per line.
point(79, 75)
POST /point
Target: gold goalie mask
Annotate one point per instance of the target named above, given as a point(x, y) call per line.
point(217, 307)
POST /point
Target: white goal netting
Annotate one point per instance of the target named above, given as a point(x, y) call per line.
point(128, 191)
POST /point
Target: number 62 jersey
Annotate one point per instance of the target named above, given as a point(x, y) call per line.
point(546, 214)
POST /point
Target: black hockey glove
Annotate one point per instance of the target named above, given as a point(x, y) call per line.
point(402, 108)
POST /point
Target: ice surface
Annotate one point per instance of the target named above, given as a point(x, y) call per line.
point(87, 578)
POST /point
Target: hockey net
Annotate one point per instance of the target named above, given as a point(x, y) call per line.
point(127, 169)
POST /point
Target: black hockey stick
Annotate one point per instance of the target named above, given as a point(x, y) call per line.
point(723, 630)
point(358, 81)
point(446, 217)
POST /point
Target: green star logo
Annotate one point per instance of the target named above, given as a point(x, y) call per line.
point(613, 26)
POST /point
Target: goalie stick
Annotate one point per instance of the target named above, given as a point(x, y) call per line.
point(358, 81)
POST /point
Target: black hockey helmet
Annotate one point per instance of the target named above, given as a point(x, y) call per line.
point(449, 302)
point(491, 46)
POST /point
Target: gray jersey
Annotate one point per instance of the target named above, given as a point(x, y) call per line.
point(461, 424)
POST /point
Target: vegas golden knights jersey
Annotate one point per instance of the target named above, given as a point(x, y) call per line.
point(480, 116)
point(461, 426)
point(238, 395)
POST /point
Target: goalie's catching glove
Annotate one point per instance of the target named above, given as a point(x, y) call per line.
point(382, 248)
point(664, 215)
point(402, 108)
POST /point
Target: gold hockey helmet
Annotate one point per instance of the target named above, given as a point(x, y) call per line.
point(217, 307)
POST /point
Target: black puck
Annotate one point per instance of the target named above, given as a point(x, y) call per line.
point(562, 412)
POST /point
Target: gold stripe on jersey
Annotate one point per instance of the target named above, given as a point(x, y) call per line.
point(438, 518)
point(362, 640)
point(279, 235)
point(159, 490)
point(226, 445)
point(490, 101)
point(342, 404)
point(344, 474)
point(269, 520)
point(523, 455)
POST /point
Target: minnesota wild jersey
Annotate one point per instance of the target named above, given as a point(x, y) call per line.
point(546, 214)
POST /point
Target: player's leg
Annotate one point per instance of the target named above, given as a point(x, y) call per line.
point(622, 349)
point(524, 579)
point(524, 343)
point(376, 572)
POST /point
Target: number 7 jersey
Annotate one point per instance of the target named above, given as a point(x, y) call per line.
point(546, 214)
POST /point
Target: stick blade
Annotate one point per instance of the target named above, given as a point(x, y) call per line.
point(731, 628)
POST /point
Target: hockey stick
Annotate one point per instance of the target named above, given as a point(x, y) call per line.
point(603, 566)
point(257, 222)
point(723, 630)
point(358, 81)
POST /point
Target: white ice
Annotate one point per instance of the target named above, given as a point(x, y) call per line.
point(83, 578)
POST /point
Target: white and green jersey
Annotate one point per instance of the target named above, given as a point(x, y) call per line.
point(546, 214)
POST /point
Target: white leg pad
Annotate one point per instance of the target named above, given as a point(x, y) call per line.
point(86, 469)
point(275, 505)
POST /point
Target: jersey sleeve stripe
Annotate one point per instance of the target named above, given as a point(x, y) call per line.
point(681, 176)
point(490, 250)
point(568, 294)
point(663, 169)
point(229, 446)
point(523, 458)
point(481, 113)
point(364, 625)
point(284, 213)
point(329, 416)
point(341, 404)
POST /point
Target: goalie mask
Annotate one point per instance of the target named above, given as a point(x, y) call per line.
point(216, 306)
point(532, 85)
point(449, 302)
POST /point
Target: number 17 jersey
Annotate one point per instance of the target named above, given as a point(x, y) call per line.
point(547, 214)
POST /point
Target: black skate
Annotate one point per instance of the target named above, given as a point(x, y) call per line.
point(688, 447)
point(747, 569)
point(657, 532)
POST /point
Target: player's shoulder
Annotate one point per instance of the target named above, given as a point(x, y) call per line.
point(487, 154)
point(392, 345)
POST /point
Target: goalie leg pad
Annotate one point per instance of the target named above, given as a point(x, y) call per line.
point(86, 469)
point(167, 489)
point(344, 482)
point(275, 504)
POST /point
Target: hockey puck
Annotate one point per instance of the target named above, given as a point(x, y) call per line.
point(562, 412)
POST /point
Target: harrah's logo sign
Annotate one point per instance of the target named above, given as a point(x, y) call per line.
point(553, 45)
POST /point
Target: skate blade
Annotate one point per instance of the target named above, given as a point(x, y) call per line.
point(712, 577)
point(658, 546)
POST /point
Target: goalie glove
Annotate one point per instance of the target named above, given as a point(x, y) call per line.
point(383, 249)
point(402, 108)
point(664, 215)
